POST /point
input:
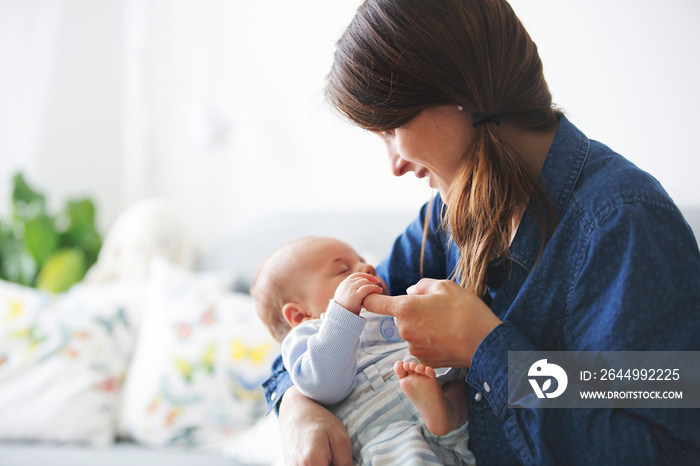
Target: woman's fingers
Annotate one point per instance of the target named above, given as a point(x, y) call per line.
point(341, 448)
point(442, 322)
point(425, 286)
point(382, 304)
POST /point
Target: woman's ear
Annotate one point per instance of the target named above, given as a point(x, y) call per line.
point(294, 313)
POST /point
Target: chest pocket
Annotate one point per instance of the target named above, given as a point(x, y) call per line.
point(380, 334)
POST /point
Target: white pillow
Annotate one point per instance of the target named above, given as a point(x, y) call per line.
point(63, 359)
point(201, 356)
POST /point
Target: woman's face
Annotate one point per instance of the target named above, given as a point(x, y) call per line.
point(431, 145)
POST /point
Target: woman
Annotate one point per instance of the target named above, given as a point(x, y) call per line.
point(557, 243)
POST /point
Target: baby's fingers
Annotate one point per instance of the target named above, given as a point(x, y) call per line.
point(355, 281)
point(362, 275)
point(368, 289)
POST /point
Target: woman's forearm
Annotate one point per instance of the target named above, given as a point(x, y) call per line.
point(311, 434)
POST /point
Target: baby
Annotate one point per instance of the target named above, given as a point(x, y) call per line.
point(309, 293)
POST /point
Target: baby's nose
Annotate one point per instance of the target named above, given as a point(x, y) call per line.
point(366, 268)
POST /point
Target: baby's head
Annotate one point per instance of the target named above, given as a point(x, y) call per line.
point(296, 282)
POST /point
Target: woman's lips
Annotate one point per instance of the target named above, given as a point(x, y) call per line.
point(424, 173)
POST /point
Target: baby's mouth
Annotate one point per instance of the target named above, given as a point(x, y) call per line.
point(381, 283)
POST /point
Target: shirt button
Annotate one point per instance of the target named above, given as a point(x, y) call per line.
point(478, 396)
point(487, 387)
point(273, 397)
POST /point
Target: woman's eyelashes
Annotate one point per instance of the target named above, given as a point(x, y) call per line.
point(387, 135)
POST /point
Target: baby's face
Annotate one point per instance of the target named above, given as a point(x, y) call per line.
point(323, 264)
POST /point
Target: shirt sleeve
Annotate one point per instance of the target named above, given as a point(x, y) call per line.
point(637, 287)
point(321, 355)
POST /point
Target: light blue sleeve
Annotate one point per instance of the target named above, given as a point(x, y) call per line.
point(321, 354)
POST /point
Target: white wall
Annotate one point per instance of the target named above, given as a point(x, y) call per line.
point(241, 128)
point(61, 90)
point(27, 55)
point(626, 72)
point(217, 104)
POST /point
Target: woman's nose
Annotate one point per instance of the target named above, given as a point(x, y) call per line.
point(399, 166)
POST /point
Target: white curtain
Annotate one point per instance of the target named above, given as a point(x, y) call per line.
point(28, 41)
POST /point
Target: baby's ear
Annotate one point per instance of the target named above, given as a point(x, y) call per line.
point(294, 313)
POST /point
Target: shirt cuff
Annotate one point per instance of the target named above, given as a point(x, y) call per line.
point(488, 373)
point(342, 320)
point(276, 385)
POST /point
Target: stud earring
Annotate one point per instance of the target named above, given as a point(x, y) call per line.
point(460, 108)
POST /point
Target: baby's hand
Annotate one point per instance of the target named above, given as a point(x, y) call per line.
point(353, 290)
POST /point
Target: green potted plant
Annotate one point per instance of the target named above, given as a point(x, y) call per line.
point(50, 252)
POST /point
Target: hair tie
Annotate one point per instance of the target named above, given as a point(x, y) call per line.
point(480, 118)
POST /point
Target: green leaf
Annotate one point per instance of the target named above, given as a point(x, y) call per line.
point(61, 248)
point(81, 231)
point(18, 265)
point(5, 238)
point(40, 237)
point(26, 202)
point(81, 214)
point(61, 271)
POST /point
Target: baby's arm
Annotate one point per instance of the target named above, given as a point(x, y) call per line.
point(321, 356)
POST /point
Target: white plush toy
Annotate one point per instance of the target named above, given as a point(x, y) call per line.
point(150, 228)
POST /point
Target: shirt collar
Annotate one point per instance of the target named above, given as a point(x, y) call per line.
point(559, 176)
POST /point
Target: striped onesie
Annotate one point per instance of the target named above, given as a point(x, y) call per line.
point(346, 362)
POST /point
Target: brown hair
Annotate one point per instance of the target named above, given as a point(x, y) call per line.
point(400, 57)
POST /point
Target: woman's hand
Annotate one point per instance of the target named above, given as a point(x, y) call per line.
point(311, 435)
point(442, 322)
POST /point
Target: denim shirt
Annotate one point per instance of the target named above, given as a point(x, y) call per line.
point(621, 271)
